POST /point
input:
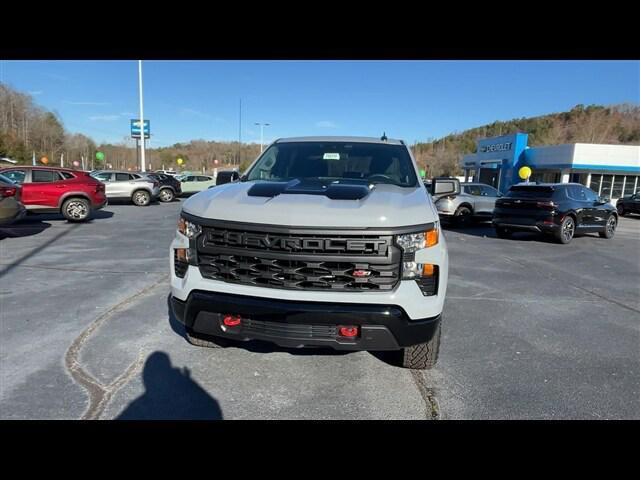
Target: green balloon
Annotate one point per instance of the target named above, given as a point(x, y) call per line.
point(99, 156)
point(422, 173)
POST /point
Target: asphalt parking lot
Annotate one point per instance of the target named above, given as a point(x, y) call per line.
point(532, 330)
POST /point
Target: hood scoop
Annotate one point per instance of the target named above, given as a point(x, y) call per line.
point(334, 191)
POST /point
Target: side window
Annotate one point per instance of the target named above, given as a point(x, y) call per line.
point(203, 179)
point(66, 175)
point(103, 176)
point(488, 191)
point(190, 179)
point(122, 177)
point(473, 190)
point(590, 195)
point(16, 175)
point(44, 176)
point(575, 193)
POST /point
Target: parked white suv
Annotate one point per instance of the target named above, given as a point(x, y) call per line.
point(324, 241)
point(122, 185)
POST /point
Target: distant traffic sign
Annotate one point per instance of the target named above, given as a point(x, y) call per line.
point(135, 128)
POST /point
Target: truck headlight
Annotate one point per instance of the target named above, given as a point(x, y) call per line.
point(188, 229)
point(411, 242)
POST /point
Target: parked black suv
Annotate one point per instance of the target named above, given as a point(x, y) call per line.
point(170, 187)
point(561, 209)
point(629, 204)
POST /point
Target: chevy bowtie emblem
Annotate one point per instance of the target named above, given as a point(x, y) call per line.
point(361, 273)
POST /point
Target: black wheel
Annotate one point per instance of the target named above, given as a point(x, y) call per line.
point(76, 209)
point(620, 209)
point(502, 232)
point(462, 216)
point(609, 227)
point(567, 229)
point(166, 195)
point(141, 198)
point(424, 355)
point(204, 340)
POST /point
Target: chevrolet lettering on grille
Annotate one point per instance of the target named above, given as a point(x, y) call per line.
point(292, 243)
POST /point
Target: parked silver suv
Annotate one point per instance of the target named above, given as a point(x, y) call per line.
point(121, 185)
point(474, 202)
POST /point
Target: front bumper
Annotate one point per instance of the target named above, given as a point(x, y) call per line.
point(296, 324)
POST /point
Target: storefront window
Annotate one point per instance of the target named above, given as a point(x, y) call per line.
point(617, 186)
point(605, 190)
point(595, 182)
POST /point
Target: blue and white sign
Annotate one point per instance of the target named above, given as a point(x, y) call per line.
point(135, 128)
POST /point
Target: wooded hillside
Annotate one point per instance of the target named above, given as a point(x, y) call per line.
point(26, 128)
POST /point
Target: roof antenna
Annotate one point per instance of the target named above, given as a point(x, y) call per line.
point(384, 137)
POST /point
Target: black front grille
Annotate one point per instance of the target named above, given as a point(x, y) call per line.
point(287, 330)
point(297, 274)
point(332, 262)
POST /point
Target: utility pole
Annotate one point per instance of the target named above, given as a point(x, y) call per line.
point(142, 158)
point(240, 133)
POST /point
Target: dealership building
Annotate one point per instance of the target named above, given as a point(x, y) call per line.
point(610, 170)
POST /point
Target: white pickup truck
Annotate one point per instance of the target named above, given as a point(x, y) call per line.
point(323, 241)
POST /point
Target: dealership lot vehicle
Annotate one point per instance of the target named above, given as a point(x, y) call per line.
point(196, 183)
point(326, 241)
point(73, 193)
point(629, 204)
point(475, 201)
point(127, 185)
point(11, 208)
point(560, 209)
point(227, 176)
point(170, 187)
point(172, 173)
point(525, 337)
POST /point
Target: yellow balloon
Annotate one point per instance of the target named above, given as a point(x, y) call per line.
point(44, 160)
point(180, 161)
point(524, 172)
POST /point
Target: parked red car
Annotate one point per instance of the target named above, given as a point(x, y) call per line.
point(73, 193)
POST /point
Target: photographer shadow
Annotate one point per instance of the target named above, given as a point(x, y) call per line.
point(170, 394)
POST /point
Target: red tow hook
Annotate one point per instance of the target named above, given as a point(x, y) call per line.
point(231, 320)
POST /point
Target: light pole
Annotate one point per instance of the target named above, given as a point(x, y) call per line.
point(262, 125)
point(143, 167)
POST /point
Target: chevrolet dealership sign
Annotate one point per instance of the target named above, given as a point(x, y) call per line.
point(496, 147)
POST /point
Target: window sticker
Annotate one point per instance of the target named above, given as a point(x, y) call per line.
point(331, 156)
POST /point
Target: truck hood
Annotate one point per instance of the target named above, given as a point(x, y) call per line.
point(385, 206)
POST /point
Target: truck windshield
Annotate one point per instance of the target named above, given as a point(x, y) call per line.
point(336, 161)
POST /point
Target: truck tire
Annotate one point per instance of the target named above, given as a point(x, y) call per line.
point(424, 355)
point(76, 209)
point(166, 195)
point(141, 198)
point(205, 341)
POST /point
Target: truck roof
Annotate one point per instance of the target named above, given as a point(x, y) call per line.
point(391, 141)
